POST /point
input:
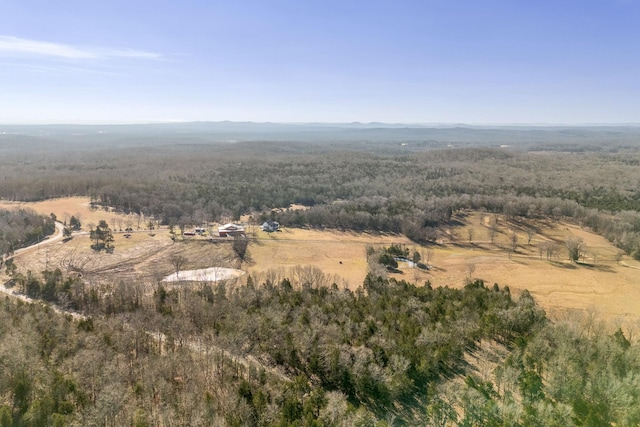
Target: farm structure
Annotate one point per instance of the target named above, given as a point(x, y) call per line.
point(270, 226)
point(230, 230)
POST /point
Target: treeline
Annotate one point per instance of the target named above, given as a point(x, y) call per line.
point(345, 186)
point(180, 182)
point(22, 227)
point(420, 220)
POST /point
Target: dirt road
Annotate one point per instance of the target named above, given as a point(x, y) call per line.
point(58, 236)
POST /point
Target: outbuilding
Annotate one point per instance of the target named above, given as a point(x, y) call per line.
point(270, 226)
point(230, 229)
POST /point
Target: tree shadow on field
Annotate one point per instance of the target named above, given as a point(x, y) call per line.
point(554, 239)
point(563, 265)
point(597, 267)
point(257, 242)
point(247, 260)
point(524, 225)
point(455, 223)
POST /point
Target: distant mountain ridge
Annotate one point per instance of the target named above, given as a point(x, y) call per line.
point(345, 135)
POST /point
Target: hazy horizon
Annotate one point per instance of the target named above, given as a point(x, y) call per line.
point(321, 123)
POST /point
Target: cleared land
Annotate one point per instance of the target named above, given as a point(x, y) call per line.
point(600, 282)
point(79, 207)
point(341, 254)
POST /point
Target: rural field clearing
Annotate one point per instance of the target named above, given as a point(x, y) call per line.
point(342, 254)
point(604, 285)
point(80, 207)
point(599, 282)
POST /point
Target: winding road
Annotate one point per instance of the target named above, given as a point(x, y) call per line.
point(58, 236)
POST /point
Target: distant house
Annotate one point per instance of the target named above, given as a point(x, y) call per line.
point(230, 230)
point(200, 230)
point(270, 226)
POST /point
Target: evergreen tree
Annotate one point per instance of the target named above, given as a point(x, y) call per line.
point(102, 237)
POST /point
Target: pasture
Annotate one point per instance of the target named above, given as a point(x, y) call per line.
point(601, 282)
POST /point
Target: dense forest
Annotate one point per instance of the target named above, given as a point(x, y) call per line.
point(390, 353)
point(300, 350)
point(21, 228)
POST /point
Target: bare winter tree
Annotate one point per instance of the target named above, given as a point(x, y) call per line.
point(575, 248)
point(492, 232)
point(428, 257)
point(513, 243)
point(309, 276)
point(552, 250)
point(531, 232)
point(178, 261)
point(471, 268)
point(156, 274)
point(549, 248)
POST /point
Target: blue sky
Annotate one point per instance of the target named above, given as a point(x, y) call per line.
point(431, 61)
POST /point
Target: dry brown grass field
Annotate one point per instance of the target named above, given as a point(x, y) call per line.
point(68, 206)
point(599, 282)
point(342, 254)
point(602, 284)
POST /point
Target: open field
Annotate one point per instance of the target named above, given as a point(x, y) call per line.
point(609, 288)
point(342, 254)
point(603, 284)
point(79, 207)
